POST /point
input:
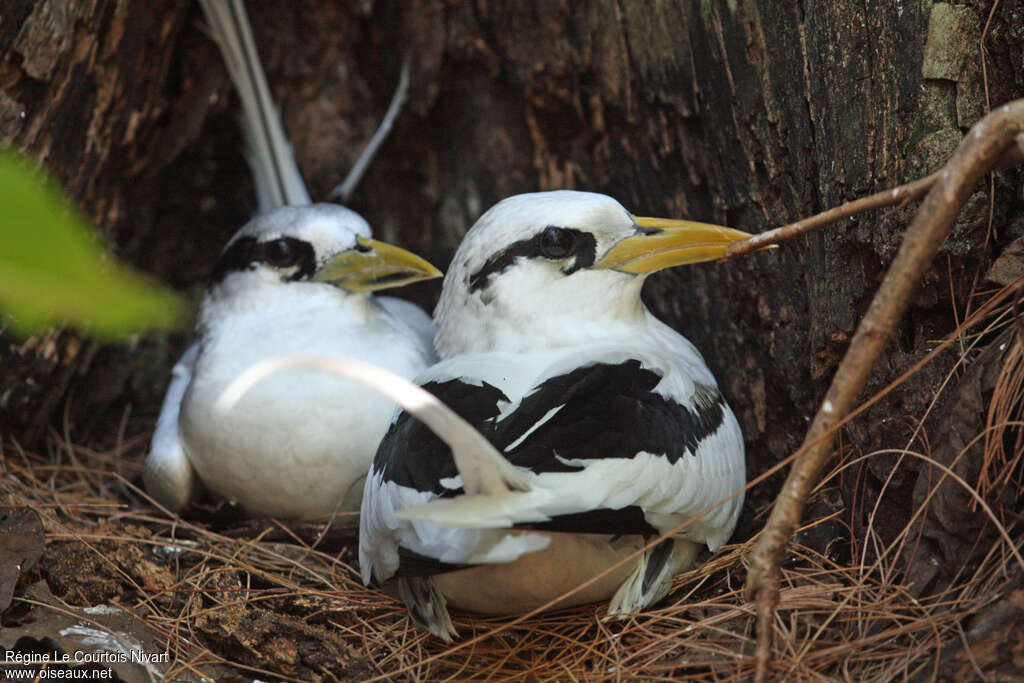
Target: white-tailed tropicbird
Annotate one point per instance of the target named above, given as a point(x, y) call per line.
point(296, 278)
point(608, 428)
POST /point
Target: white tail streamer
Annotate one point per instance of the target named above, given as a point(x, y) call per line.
point(483, 469)
point(275, 172)
point(277, 178)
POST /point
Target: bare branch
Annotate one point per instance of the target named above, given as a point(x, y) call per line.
point(987, 144)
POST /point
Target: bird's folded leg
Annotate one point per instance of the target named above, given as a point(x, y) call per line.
point(427, 607)
point(652, 578)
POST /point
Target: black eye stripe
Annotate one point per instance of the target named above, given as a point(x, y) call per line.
point(585, 250)
point(283, 252)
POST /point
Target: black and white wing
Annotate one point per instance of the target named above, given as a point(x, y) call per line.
point(615, 446)
point(167, 473)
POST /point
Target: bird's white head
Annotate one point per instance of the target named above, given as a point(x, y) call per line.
point(322, 243)
point(561, 268)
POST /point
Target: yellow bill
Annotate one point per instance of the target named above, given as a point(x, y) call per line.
point(663, 243)
point(375, 265)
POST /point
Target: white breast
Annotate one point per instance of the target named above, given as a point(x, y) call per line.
point(298, 444)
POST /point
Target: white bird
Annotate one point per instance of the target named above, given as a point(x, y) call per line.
point(607, 427)
point(294, 279)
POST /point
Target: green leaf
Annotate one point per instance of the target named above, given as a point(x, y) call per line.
point(53, 269)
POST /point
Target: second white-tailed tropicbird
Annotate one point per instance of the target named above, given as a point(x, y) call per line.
point(298, 278)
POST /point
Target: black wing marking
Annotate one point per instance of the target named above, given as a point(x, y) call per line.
point(412, 456)
point(413, 564)
point(656, 562)
point(585, 252)
point(609, 411)
point(603, 411)
point(627, 520)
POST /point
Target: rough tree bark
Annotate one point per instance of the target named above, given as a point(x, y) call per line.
point(752, 113)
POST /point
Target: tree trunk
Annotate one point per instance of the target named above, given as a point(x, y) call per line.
point(748, 113)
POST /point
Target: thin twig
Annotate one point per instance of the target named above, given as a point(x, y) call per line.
point(983, 147)
point(988, 108)
point(1012, 155)
point(897, 195)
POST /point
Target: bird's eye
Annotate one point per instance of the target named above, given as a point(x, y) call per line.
point(557, 243)
point(280, 253)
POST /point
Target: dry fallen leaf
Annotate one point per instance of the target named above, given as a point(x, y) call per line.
point(21, 546)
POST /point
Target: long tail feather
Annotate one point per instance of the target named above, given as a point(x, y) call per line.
point(277, 177)
point(343, 192)
point(483, 469)
point(275, 172)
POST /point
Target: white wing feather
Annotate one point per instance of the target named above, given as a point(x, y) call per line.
point(167, 473)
